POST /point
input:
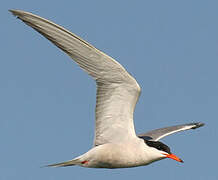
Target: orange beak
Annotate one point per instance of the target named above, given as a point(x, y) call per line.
point(174, 157)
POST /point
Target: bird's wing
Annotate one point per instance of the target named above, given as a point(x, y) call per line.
point(158, 134)
point(117, 90)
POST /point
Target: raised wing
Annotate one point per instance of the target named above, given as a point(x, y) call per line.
point(117, 91)
point(157, 134)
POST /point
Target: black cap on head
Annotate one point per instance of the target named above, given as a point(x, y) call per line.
point(158, 145)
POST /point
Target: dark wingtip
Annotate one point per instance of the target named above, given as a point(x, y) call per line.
point(197, 125)
point(12, 11)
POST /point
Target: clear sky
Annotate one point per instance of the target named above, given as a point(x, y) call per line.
point(47, 103)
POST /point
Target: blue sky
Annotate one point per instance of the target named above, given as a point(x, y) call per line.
point(47, 103)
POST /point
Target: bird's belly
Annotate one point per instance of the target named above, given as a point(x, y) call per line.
point(117, 157)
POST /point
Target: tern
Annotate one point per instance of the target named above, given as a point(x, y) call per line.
point(116, 144)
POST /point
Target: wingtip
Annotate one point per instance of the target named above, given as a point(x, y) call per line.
point(18, 13)
point(13, 11)
point(197, 125)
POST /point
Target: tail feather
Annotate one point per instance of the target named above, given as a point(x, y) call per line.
point(64, 164)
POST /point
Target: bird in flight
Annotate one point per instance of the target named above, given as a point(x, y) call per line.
point(116, 145)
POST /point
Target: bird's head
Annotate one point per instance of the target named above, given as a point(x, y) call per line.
point(161, 150)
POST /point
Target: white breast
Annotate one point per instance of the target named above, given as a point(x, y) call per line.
point(118, 155)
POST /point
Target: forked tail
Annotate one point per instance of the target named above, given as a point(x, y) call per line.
point(64, 164)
